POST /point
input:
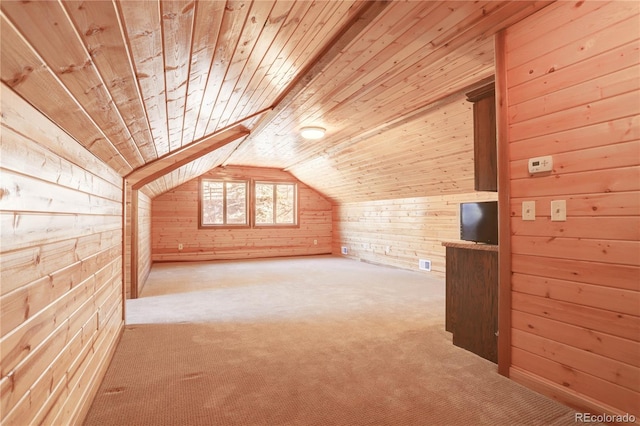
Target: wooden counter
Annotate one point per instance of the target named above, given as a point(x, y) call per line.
point(470, 245)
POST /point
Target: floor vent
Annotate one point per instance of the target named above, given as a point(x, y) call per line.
point(424, 265)
point(344, 250)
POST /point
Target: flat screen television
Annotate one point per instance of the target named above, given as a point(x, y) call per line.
point(479, 222)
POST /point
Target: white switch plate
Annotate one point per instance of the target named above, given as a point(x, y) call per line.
point(559, 210)
point(528, 210)
point(540, 164)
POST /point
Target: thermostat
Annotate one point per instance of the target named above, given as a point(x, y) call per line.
point(540, 164)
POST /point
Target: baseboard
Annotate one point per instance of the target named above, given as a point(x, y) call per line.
point(568, 397)
point(81, 413)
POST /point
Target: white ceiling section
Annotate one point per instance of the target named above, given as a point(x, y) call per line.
point(135, 81)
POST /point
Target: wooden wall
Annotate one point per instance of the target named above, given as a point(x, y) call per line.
point(575, 298)
point(144, 238)
point(175, 221)
point(61, 270)
point(400, 232)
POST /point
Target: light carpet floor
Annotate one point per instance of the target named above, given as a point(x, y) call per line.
point(302, 341)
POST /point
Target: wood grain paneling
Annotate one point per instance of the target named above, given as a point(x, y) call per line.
point(135, 81)
point(400, 232)
point(61, 270)
point(144, 239)
point(430, 153)
point(576, 284)
point(175, 221)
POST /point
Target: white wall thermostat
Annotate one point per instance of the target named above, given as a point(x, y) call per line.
point(540, 164)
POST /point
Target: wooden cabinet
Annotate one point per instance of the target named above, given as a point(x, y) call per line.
point(472, 297)
point(484, 138)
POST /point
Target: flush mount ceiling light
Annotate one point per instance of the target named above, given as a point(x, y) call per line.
point(312, 132)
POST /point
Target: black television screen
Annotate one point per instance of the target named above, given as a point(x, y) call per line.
point(479, 222)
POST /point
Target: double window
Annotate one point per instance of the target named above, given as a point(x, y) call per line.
point(231, 203)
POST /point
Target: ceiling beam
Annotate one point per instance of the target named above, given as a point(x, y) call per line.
point(178, 158)
point(162, 166)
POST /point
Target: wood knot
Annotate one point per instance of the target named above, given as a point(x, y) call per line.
point(93, 30)
point(94, 51)
point(145, 33)
point(70, 69)
point(277, 19)
point(21, 76)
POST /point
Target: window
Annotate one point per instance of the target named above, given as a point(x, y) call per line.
point(275, 204)
point(223, 203)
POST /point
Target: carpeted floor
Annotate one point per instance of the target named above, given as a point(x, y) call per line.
point(302, 341)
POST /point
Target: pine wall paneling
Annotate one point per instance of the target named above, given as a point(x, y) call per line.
point(144, 238)
point(175, 221)
point(61, 271)
point(128, 223)
point(400, 232)
point(576, 284)
point(397, 193)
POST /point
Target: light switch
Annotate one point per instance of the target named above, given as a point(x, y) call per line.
point(559, 210)
point(528, 210)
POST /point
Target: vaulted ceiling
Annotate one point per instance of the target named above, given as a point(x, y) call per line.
point(163, 91)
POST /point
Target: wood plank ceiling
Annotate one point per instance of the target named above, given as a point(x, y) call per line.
point(137, 81)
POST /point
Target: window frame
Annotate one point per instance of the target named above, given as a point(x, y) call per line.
point(247, 206)
point(296, 215)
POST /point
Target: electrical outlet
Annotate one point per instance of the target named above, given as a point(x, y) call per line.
point(344, 250)
point(315, 242)
point(180, 246)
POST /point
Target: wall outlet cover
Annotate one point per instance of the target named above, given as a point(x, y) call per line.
point(528, 210)
point(559, 210)
point(424, 265)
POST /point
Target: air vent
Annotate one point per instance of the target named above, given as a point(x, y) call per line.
point(424, 265)
point(344, 250)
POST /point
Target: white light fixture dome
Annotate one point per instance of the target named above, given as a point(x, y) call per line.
point(312, 132)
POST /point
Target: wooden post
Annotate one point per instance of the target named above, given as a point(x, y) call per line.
point(134, 244)
point(504, 225)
